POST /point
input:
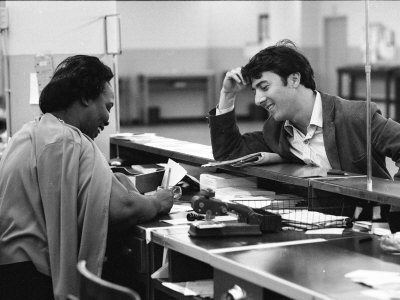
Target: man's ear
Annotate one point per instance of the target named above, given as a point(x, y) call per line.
point(84, 102)
point(294, 79)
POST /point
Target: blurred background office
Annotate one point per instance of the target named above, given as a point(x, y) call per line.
point(174, 55)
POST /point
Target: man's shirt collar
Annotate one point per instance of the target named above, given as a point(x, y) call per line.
point(316, 116)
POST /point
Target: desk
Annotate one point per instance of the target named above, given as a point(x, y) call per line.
point(308, 268)
point(267, 272)
point(377, 72)
point(176, 81)
point(306, 271)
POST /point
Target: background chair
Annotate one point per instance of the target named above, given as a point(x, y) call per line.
point(93, 287)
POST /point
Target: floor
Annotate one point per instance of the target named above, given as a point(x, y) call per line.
point(198, 132)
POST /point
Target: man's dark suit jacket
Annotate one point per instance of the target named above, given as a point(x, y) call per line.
point(344, 132)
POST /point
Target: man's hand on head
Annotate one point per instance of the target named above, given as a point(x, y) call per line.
point(233, 81)
point(232, 84)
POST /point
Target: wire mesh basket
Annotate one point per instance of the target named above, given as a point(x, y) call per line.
point(300, 213)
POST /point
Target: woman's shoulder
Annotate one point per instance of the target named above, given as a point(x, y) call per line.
point(50, 129)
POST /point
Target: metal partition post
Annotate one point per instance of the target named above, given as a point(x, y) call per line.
point(368, 85)
point(116, 93)
point(6, 67)
point(112, 33)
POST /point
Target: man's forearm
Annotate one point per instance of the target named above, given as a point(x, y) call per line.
point(226, 99)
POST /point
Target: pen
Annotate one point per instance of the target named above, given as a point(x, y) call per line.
point(167, 180)
point(337, 172)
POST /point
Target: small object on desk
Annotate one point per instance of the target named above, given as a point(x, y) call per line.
point(338, 231)
point(206, 228)
point(236, 293)
point(194, 217)
point(115, 162)
point(168, 176)
point(259, 219)
point(337, 172)
point(362, 226)
point(391, 243)
point(125, 170)
point(177, 208)
point(146, 168)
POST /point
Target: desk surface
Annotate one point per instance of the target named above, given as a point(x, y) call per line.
point(384, 191)
point(311, 267)
point(201, 154)
point(203, 248)
point(292, 263)
point(307, 271)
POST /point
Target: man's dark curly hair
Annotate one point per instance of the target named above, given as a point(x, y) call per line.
point(282, 59)
point(75, 78)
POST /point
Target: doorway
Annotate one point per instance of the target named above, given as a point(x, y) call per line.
point(335, 51)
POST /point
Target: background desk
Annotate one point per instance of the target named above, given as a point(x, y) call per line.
point(204, 81)
point(388, 74)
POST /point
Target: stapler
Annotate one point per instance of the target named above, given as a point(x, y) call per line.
point(250, 221)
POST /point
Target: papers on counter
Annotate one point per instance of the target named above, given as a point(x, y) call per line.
point(306, 219)
point(259, 158)
point(182, 221)
point(386, 283)
point(224, 180)
point(129, 136)
point(180, 208)
point(152, 140)
point(202, 288)
point(338, 231)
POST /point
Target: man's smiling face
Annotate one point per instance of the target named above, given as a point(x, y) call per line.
point(272, 94)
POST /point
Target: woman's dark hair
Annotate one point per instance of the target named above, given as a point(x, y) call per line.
point(77, 77)
point(282, 59)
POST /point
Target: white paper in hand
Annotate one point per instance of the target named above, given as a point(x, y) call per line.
point(174, 173)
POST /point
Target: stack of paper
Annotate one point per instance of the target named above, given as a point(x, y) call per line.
point(363, 226)
point(238, 189)
point(249, 196)
point(222, 180)
point(306, 219)
point(147, 168)
point(243, 193)
point(384, 284)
